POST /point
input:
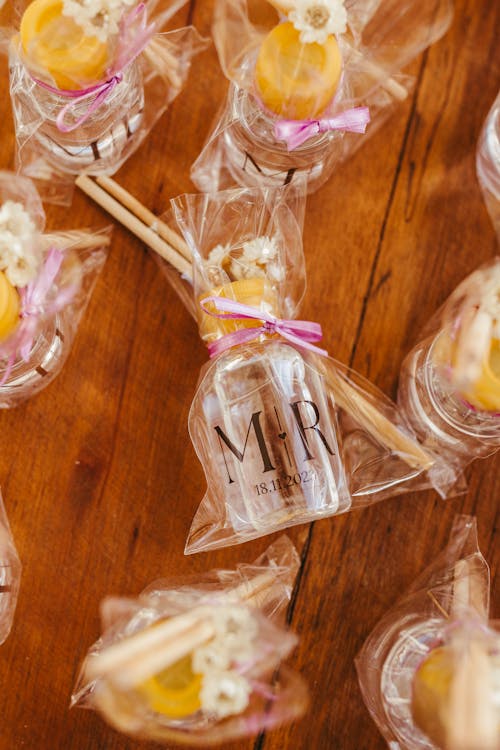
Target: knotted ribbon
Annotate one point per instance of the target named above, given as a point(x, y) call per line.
point(297, 132)
point(130, 46)
point(299, 332)
point(34, 304)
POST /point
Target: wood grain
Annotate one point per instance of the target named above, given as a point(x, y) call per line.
point(98, 474)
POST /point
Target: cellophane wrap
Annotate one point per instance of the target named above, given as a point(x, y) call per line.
point(54, 317)
point(115, 130)
point(449, 600)
point(449, 389)
point(488, 163)
point(10, 575)
point(381, 40)
point(260, 593)
point(285, 436)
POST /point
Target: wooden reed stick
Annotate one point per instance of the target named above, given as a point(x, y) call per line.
point(145, 215)
point(374, 422)
point(252, 589)
point(135, 646)
point(470, 719)
point(76, 240)
point(162, 657)
point(134, 225)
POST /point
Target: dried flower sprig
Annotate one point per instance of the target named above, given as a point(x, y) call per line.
point(318, 19)
point(18, 257)
point(257, 258)
point(97, 18)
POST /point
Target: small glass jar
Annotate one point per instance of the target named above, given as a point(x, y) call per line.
point(442, 420)
point(255, 158)
point(488, 163)
point(97, 145)
point(48, 354)
point(408, 644)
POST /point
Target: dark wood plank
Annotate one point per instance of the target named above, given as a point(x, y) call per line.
point(98, 473)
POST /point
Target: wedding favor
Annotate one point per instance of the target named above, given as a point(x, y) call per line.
point(88, 80)
point(306, 78)
point(285, 434)
point(197, 661)
point(488, 163)
point(46, 281)
point(10, 575)
point(430, 671)
point(449, 388)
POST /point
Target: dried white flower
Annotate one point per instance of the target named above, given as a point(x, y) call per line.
point(218, 255)
point(257, 258)
point(213, 656)
point(224, 693)
point(235, 627)
point(98, 18)
point(260, 249)
point(318, 19)
point(18, 257)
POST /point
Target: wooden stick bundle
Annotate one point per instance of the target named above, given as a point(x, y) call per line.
point(149, 234)
point(375, 423)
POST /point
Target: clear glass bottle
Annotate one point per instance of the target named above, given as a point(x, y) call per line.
point(449, 387)
point(262, 424)
point(488, 163)
point(46, 359)
point(411, 668)
point(98, 144)
point(255, 157)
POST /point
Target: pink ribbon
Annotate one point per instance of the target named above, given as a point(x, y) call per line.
point(34, 304)
point(130, 46)
point(299, 332)
point(297, 132)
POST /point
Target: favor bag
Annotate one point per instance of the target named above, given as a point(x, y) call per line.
point(88, 82)
point(195, 662)
point(46, 281)
point(429, 672)
point(306, 78)
point(285, 434)
point(449, 387)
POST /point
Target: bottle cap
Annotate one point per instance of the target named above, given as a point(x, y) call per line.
point(9, 307)
point(294, 80)
point(56, 44)
point(254, 292)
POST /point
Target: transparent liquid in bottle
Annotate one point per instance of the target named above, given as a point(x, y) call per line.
point(268, 440)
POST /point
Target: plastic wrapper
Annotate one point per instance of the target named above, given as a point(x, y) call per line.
point(302, 75)
point(430, 671)
point(285, 434)
point(86, 105)
point(196, 662)
point(488, 163)
point(10, 575)
point(46, 281)
point(449, 388)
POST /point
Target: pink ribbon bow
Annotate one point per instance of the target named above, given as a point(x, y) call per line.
point(132, 40)
point(297, 132)
point(300, 332)
point(34, 304)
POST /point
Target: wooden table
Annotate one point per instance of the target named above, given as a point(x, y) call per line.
point(99, 476)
